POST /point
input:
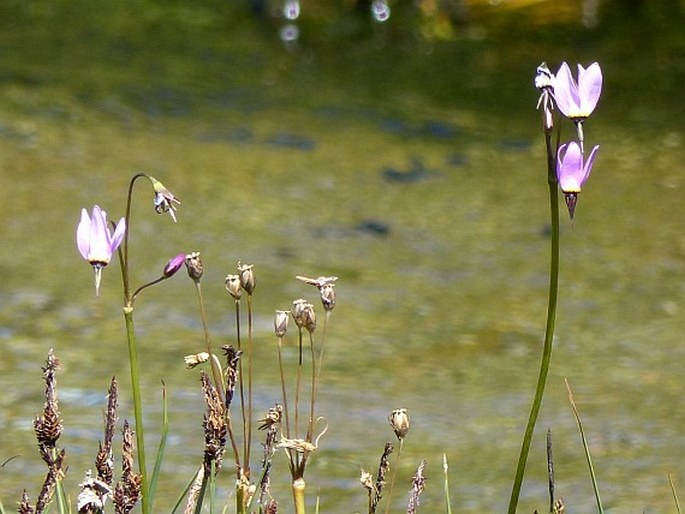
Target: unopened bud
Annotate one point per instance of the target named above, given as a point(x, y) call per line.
point(194, 266)
point(247, 278)
point(174, 265)
point(281, 322)
point(399, 421)
point(233, 286)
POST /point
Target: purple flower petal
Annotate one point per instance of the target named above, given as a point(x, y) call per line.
point(565, 90)
point(570, 167)
point(83, 234)
point(589, 87)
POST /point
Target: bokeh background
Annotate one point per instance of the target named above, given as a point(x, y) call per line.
point(394, 145)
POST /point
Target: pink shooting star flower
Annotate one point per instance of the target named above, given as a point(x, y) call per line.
point(96, 242)
point(572, 172)
point(577, 100)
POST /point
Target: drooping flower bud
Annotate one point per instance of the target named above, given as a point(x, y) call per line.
point(247, 278)
point(281, 322)
point(194, 266)
point(399, 421)
point(233, 286)
point(174, 265)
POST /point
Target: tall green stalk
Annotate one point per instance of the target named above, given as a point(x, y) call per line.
point(133, 351)
point(137, 405)
point(549, 326)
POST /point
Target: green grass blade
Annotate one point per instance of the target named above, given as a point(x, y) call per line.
point(586, 448)
point(162, 446)
point(673, 490)
point(445, 469)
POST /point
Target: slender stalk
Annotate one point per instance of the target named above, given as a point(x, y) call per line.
point(248, 442)
point(137, 406)
point(162, 445)
point(216, 372)
point(298, 495)
point(283, 390)
point(445, 469)
point(549, 326)
point(312, 399)
point(133, 349)
point(675, 493)
point(586, 448)
point(243, 404)
point(125, 268)
point(297, 385)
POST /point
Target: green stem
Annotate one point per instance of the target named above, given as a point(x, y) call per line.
point(549, 326)
point(137, 405)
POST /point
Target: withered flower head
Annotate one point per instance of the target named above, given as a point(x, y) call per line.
point(325, 285)
point(272, 417)
point(93, 494)
point(164, 199)
point(399, 421)
point(194, 266)
point(195, 359)
point(247, 278)
point(281, 322)
point(233, 286)
point(298, 311)
point(309, 315)
point(304, 314)
point(366, 480)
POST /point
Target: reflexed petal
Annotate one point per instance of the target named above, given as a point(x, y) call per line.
point(588, 164)
point(589, 87)
point(566, 91)
point(83, 234)
point(100, 250)
point(118, 236)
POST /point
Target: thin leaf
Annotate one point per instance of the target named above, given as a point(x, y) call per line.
point(673, 490)
point(162, 446)
point(585, 447)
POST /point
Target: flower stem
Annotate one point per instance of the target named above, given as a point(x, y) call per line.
point(298, 495)
point(549, 326)
point(137, 405)
point(216, 372)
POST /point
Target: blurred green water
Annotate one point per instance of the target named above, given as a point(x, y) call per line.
point(293, 160)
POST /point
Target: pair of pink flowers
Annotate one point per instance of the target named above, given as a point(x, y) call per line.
point(576, 100)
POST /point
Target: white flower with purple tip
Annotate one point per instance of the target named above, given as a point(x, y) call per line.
point(96, 242)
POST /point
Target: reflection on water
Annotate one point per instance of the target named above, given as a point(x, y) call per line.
point(413, 173)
